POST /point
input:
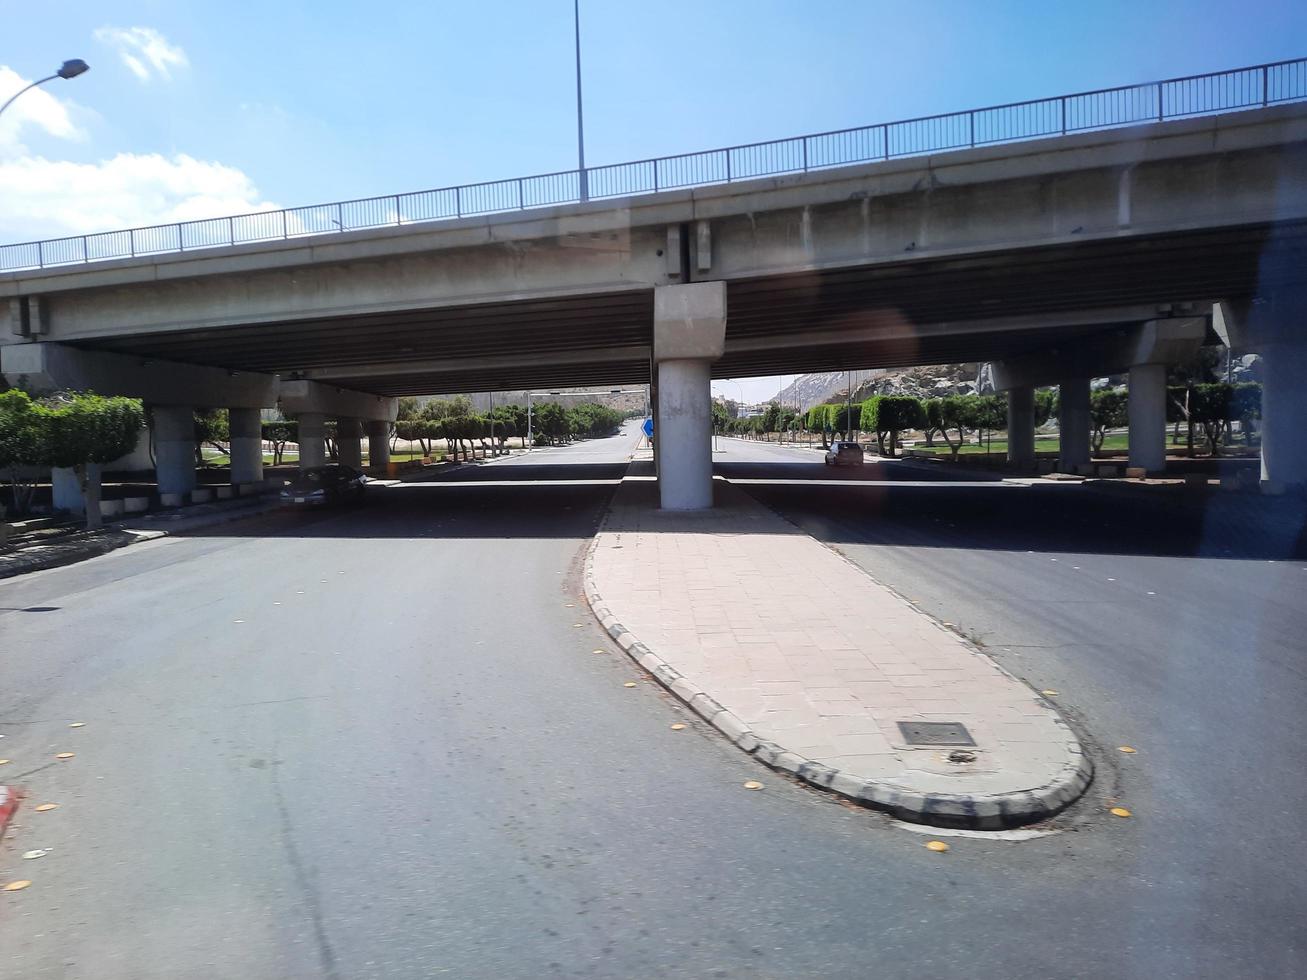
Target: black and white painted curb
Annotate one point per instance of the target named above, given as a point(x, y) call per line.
point(979, 811)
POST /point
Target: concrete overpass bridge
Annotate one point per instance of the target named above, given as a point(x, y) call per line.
point(1178, 214)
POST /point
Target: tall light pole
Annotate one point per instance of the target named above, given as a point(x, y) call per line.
point(580, 122)
point(69, 69)
point(780, 400)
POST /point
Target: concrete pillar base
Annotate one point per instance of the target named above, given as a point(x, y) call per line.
point(689, 334)
point(1284, 416)
point(312, 439)
point(246, 444)
point(66, 490)
point(683, 431)
point(1147, 411)
point(349, 448)
point(1073, 424)
point(174, 449)
point(1021, 427)
point(378, 445)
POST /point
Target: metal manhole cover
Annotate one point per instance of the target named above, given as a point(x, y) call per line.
point(935, 733)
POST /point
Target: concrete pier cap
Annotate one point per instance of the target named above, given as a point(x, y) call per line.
point(689, 334)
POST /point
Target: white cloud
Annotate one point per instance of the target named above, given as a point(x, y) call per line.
point(146, 52)
point(37, 108)
point(42, 198)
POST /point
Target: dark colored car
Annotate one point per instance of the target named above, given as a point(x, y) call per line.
point(844, 454)
point(323, 485)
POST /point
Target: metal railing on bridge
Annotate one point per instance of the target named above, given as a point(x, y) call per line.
point(1174, 98)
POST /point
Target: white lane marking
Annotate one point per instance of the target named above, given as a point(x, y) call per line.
point(875, 483)
point(453, 484)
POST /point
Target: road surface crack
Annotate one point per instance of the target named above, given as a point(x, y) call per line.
point(303, 878)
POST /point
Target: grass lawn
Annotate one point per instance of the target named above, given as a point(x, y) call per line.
point(215, 458)
point(1043, 444)
point(405, 456)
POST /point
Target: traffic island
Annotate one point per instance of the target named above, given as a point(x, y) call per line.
point(804, 661)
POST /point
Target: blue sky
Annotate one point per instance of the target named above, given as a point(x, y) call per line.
point(238, 105)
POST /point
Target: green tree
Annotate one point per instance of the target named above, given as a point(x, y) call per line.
point(212, 427)
point(984, 413)
point(934, 419)
point(84, 431)
point(1246, 407)
point(22, 445)
point(1212, 406)
point(505, 419)
point(1107, 410)
point(279, 432)
point(721, 417)
point(413, 430)
point(891, 414)
point(407, 408)
point(1178, 401)
point(821, 419)
point(1045, 404)
point(842, 419)
point(552, 423)
point(953, 412)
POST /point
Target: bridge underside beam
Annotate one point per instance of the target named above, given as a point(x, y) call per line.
point(1158, 341)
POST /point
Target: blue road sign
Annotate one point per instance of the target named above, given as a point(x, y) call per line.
point(648, 428)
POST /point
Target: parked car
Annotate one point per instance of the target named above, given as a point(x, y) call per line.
point(324, 485)
point(844, 454)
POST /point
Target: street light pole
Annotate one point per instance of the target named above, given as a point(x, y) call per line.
point(582, 177)
point(69, 69)
point(780, 400)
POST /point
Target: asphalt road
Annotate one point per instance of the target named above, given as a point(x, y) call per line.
point(1177, 631)
point(381, 743)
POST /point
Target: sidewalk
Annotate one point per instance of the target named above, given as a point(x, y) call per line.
point(704, 602)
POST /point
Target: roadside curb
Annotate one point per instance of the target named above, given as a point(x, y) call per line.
point(92, 546)
point(988, 811)
point(9, 797)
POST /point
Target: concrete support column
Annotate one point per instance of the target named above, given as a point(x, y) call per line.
point(689, 334)
point(1147, 416)
point(66, 490)
point(1073, 424)
point(378, 445)
point(174, 449)
point(1021, 427)
point(683, 434)
point(312, 438)
point(349, 446)
point(246, 425)
point(1284, 417)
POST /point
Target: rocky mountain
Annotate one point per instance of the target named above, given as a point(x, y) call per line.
point(920, 382)
point(632, 400)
